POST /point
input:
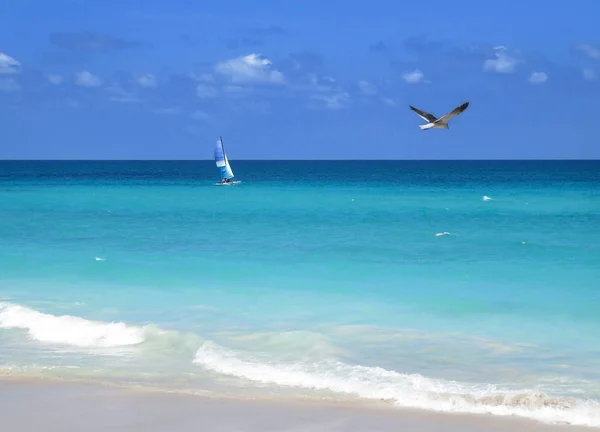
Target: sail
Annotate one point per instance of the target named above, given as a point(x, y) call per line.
point(221, 161)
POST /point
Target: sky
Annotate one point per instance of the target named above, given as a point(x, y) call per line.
point(298, 79)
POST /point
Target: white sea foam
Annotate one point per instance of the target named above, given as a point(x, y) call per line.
point(486, 198)
point(411, 391)
point(303, 360)
point(69, 330)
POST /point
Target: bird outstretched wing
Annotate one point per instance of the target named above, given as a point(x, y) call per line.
point(456, 111)
point(424, 115)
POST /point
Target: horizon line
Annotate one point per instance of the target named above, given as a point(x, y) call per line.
point(310, 160)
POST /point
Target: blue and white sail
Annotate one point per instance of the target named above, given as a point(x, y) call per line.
point(221, 161)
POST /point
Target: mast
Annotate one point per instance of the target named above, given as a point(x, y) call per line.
point(223, 148)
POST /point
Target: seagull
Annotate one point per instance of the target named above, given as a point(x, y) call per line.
point(438, 123)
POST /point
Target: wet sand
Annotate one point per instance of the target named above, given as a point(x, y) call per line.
point(52, 406)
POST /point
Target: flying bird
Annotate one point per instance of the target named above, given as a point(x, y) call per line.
point(438, 123)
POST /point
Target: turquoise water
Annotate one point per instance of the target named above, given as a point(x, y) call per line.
point(310, 279)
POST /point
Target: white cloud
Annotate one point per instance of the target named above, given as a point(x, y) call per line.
point(200, 115)
point(9, 65)
point(589, 74)
point(414, 77)
point(334, 101)
point(9, 85)
point(503, 63)
point(367, 88)
point(121, 96)
point(205, 91)
point(55, 79)
point(253, 68)
point(86, 79)
point(317, 83)
point(147, 80)
point(590, 50)
point(538, 77)
point(388, 101)
point(324, 89)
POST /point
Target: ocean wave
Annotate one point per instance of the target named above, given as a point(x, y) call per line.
point(293, 359)
point(69, 330)
point(404, 390)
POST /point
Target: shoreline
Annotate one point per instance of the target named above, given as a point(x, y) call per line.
point(73, 406)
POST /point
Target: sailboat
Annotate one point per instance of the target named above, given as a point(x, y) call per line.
point(223, 165)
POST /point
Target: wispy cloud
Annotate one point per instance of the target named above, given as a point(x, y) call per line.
point(252, 68)
point(367, 88)
point(371, 91)
point(86, 79)
point(9, 65)
point(324, 89)
point(89, 42)
point(589, 50)
point(54, 79)
point(503, 63)
point(205, 91)
point(117, 94)
point(147, 80)
point(538, 77)
point(334, 101)
point(589, 74)
point(317, 83)
point(414, 77)
point(388, 101)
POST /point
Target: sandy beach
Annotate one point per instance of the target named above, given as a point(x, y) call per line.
point(49, 405)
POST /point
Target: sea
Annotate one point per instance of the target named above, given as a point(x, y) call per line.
point(452, 286)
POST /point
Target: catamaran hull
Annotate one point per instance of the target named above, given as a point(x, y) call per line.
point(229, 184)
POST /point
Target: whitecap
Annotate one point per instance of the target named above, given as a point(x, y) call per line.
point(404, 390)
point(69, 330)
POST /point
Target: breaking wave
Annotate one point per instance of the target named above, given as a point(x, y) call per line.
point(300, 359)
point(404, 390)
point(69, 330)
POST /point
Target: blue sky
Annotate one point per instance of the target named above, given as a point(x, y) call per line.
point(283, 79)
